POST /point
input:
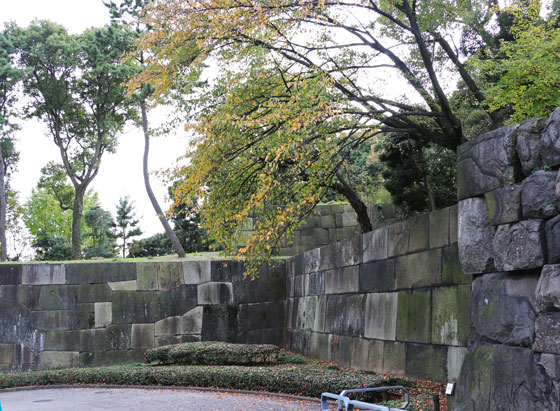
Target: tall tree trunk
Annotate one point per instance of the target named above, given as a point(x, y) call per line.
point(77, 212)
point(355, 201)
point(3, 246)
point(430, 193)
point(170, 233)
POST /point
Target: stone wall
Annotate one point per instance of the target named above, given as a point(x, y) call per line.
point(509, 240)
point(66, 315)
point(328, 224)
point(392, 300)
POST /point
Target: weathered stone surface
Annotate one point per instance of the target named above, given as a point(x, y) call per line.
point(418, 270)
point(316, 283)
point(537, 192)
point(550, 140)
point(451, 315)
point(215, 293)
point(529, 144)
point(342, 280)
point(314, 236)
point(301, 285)
point(394, 357)
point(118, 337)
point(260, 316)
point(519, 246)
point(176, 339)
point(50, 360)
point(453, 223)
point(548, 288)
point(93, 293)
point(451, 268)
point(197, 272)
point(85, 316)
point(455, 358)
point(375, 245)
point(504, 205)
point(123, 285)
point(502, 307)
point(381, 316)
point(142, 336)
point(476, 236)
point(114, 357)
point(377, 276)
point(345, 315)
point(54, 320)
point(117, 272)
point(349, 252)
point(270, 286)
point(426, 361)
point(487, 162)
point(136, 306)
point(398, 235)
point(318, 346)
point(191, 321)
point(63, 340)
point(38, 274)
point(10, 274)
point(311, 261)
point(15, 354)
point(328, 221)
point(419, 233)
point(169, 276)
point(547, 333)
point(219, 323)
point(57, 297)
point(439, 228)
point(147, 276)
point(327, 257)
point(79, 273)
point(552, 230)
point(311, 313)
point(168, 326)
point(375, 356)
point(414, 316)
point(103, 314)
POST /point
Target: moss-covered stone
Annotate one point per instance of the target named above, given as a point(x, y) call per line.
point(169, 276)
point(451, 315)
point(57, 297)
point(439, 228)
point(94, 293)
point(10, 274)
point(418, 270)
point(426, 362)
point(54, 320)
point(112, 357)
point(414, 313)
point(452, 269)
point(147, 278)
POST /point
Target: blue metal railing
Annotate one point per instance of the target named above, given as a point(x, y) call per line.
point(345, 403)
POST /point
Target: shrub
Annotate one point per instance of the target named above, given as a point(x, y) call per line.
point(213, 353)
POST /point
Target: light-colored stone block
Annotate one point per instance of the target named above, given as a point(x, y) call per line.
point(375, 245)
point(455, 358)
point(215, 293)
point(43, 274)
point(142, 336)
point(197, 272)
point(123, 285)
point(168, 326)
point(191, 321)
point(381, 316)
point(49, 360)
point(103, 314)
point(342, 280)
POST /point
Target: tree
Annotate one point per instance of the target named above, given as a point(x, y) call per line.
point(101, 224)
point(300, 86)
point(75, 84)
point(119, 15)
point(9, 78)
point(126, 223)
point(153, 246)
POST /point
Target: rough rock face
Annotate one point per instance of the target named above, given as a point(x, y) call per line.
point(487, 162)
point(550, 140)
point(502, 308)
point(548, 288)
point(537, 195)
point(476, 250)
point(519, 246)
point(552, 230)
point(547, 333)
point(529, 144)
point(504, 205)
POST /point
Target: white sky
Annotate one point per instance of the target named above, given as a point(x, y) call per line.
point(120, 173)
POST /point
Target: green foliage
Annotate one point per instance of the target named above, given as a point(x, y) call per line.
point(55, 180)
point(100, 223)
point(187, 225)
point(52, 248)
point(153, 246)
point(126, 223)
point(213, 353)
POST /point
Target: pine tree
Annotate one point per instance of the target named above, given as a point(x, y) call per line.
point(126, 223)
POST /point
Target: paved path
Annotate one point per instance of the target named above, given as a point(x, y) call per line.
point(145, 399)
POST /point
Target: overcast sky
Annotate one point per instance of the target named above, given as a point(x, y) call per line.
point(120, 173)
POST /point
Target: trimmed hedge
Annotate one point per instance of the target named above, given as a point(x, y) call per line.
point(213, 353)
point(308, 381)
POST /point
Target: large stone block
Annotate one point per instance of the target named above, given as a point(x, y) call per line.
point(552, 231)
point(178, 301)
point(349, 252)
point(117, 271)
point(169, 275)
point(502, 307)
point(519, 246)
point(548, 288)
point(215, 293)
point(375, 356)
point(398, 235)
point(359, 359)
point(136, 306)
point(318, 346)
point(504, 205)
point(550, 140)
point(16, 327)
point(418, 270)
point(375, 245)
point(85, 315)
point(113, 357)
point(345, 315)
point(451, 268)
point(94, 339)
point(54, 320)
point(42, 274)
point(414, 316)
point(455, 358)
point(301, 285)
point(476, 236)
point(327, 257)
point(220, 323)
point(57, 297)
point(529, 144)
point(451, 315)
point(453, 223)
point(487, 162)
point(537, 195)
point(259, 316)
point(316, 283)
point(269, 286)
point(79, 273)
point(93, 293)
point(147, 276)
point(428, 362)
point(15, 354)
point(103, 314)
point(439, 228)
point(381, 316)
point(197, 272)
point(123, 285)
point(50, 360)
point(176, 339)
point(419, 233)
point(191, 321)
point(168, 326)
point(311, 261)
point(342, 280)
point(63, 341)
point(311, 313)
point(377, 276)
point(547, 333)
point(142, 336)
point(118, 337)
point(10, 274)
point(394, 357)
point(314, 236)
